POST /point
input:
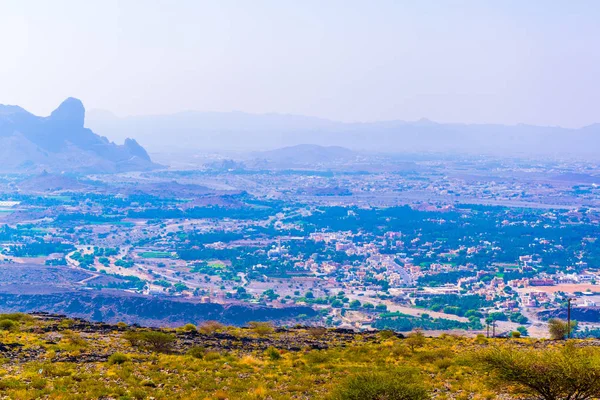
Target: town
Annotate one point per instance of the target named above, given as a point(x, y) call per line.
point(435, 246)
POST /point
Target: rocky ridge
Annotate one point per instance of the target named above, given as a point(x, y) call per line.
point(61, 143)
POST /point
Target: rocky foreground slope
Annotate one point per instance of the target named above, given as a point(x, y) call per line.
point(51, 356)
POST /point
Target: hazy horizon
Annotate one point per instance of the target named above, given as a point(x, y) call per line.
point(450, 61)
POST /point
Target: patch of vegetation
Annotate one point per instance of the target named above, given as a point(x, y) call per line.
point(565, 372)
point(50, 358)
point(398, 385)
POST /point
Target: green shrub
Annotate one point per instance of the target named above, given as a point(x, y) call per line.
point(386, 334)
point(444, 363)
point(138, 394)
point(189, 328)
point(415, 340)
point(430, 356)
point(273, 354)
point(261, 328)
point(38, 383)
point(148, 383)
point(73, 339)
point(558, 329)
point(481, 339)
point(211, 327)
point(66, 323)
point(317, 331)
point(151, 340)
point(118, 358)
point(16, 317)
point(379, 386)
point(196, 352)
point(10, 383)
point(212, 356)
point(8, 325)
point(316, 357)
point(564, 372)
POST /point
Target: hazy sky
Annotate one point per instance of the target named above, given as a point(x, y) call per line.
point(451, 61)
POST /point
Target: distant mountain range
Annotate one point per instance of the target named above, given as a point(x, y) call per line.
point(251, 132)
point(60, 142)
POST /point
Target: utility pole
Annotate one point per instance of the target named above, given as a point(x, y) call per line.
point(487, 324)
point(568, 318)
point(494, 328)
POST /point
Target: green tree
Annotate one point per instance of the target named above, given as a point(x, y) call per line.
point(523, 331)
point(337, 304)
point(152, 340)
point(415, 340)
point(270, 294)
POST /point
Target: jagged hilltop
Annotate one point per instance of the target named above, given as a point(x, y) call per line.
point(54, 357)
point(60, 142)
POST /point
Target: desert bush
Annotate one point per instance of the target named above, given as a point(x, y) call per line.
point(317, 331)
point(189, 328)
point(196, 352)
point(66, 323)
point(8, 325)
point(386, 334)
point(73, 339)
point(444, 363)
point(138, 394)
point(481, 339)
point(16, 317)
point(316, 357)
point(415, 340)
point(380, 386)
point(400, 350)
point(38, 383)
point(212, 356)
point(558, 329)
point(515, 334)
point(152, 340)
point(133, 338)
point(430, 356)
point(564, 372)
point(10, 383)
point(118, 358)
point(273, 354)
point(261, 328)
point(210, 327)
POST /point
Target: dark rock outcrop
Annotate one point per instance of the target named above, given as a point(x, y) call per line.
point(113, 307)
point(581, 314)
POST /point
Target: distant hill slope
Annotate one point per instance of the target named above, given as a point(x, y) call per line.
point(61, 143)
point(242, 131)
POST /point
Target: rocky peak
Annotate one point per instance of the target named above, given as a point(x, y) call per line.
point(135, 149)
point(60, 142)
point(70, 112)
